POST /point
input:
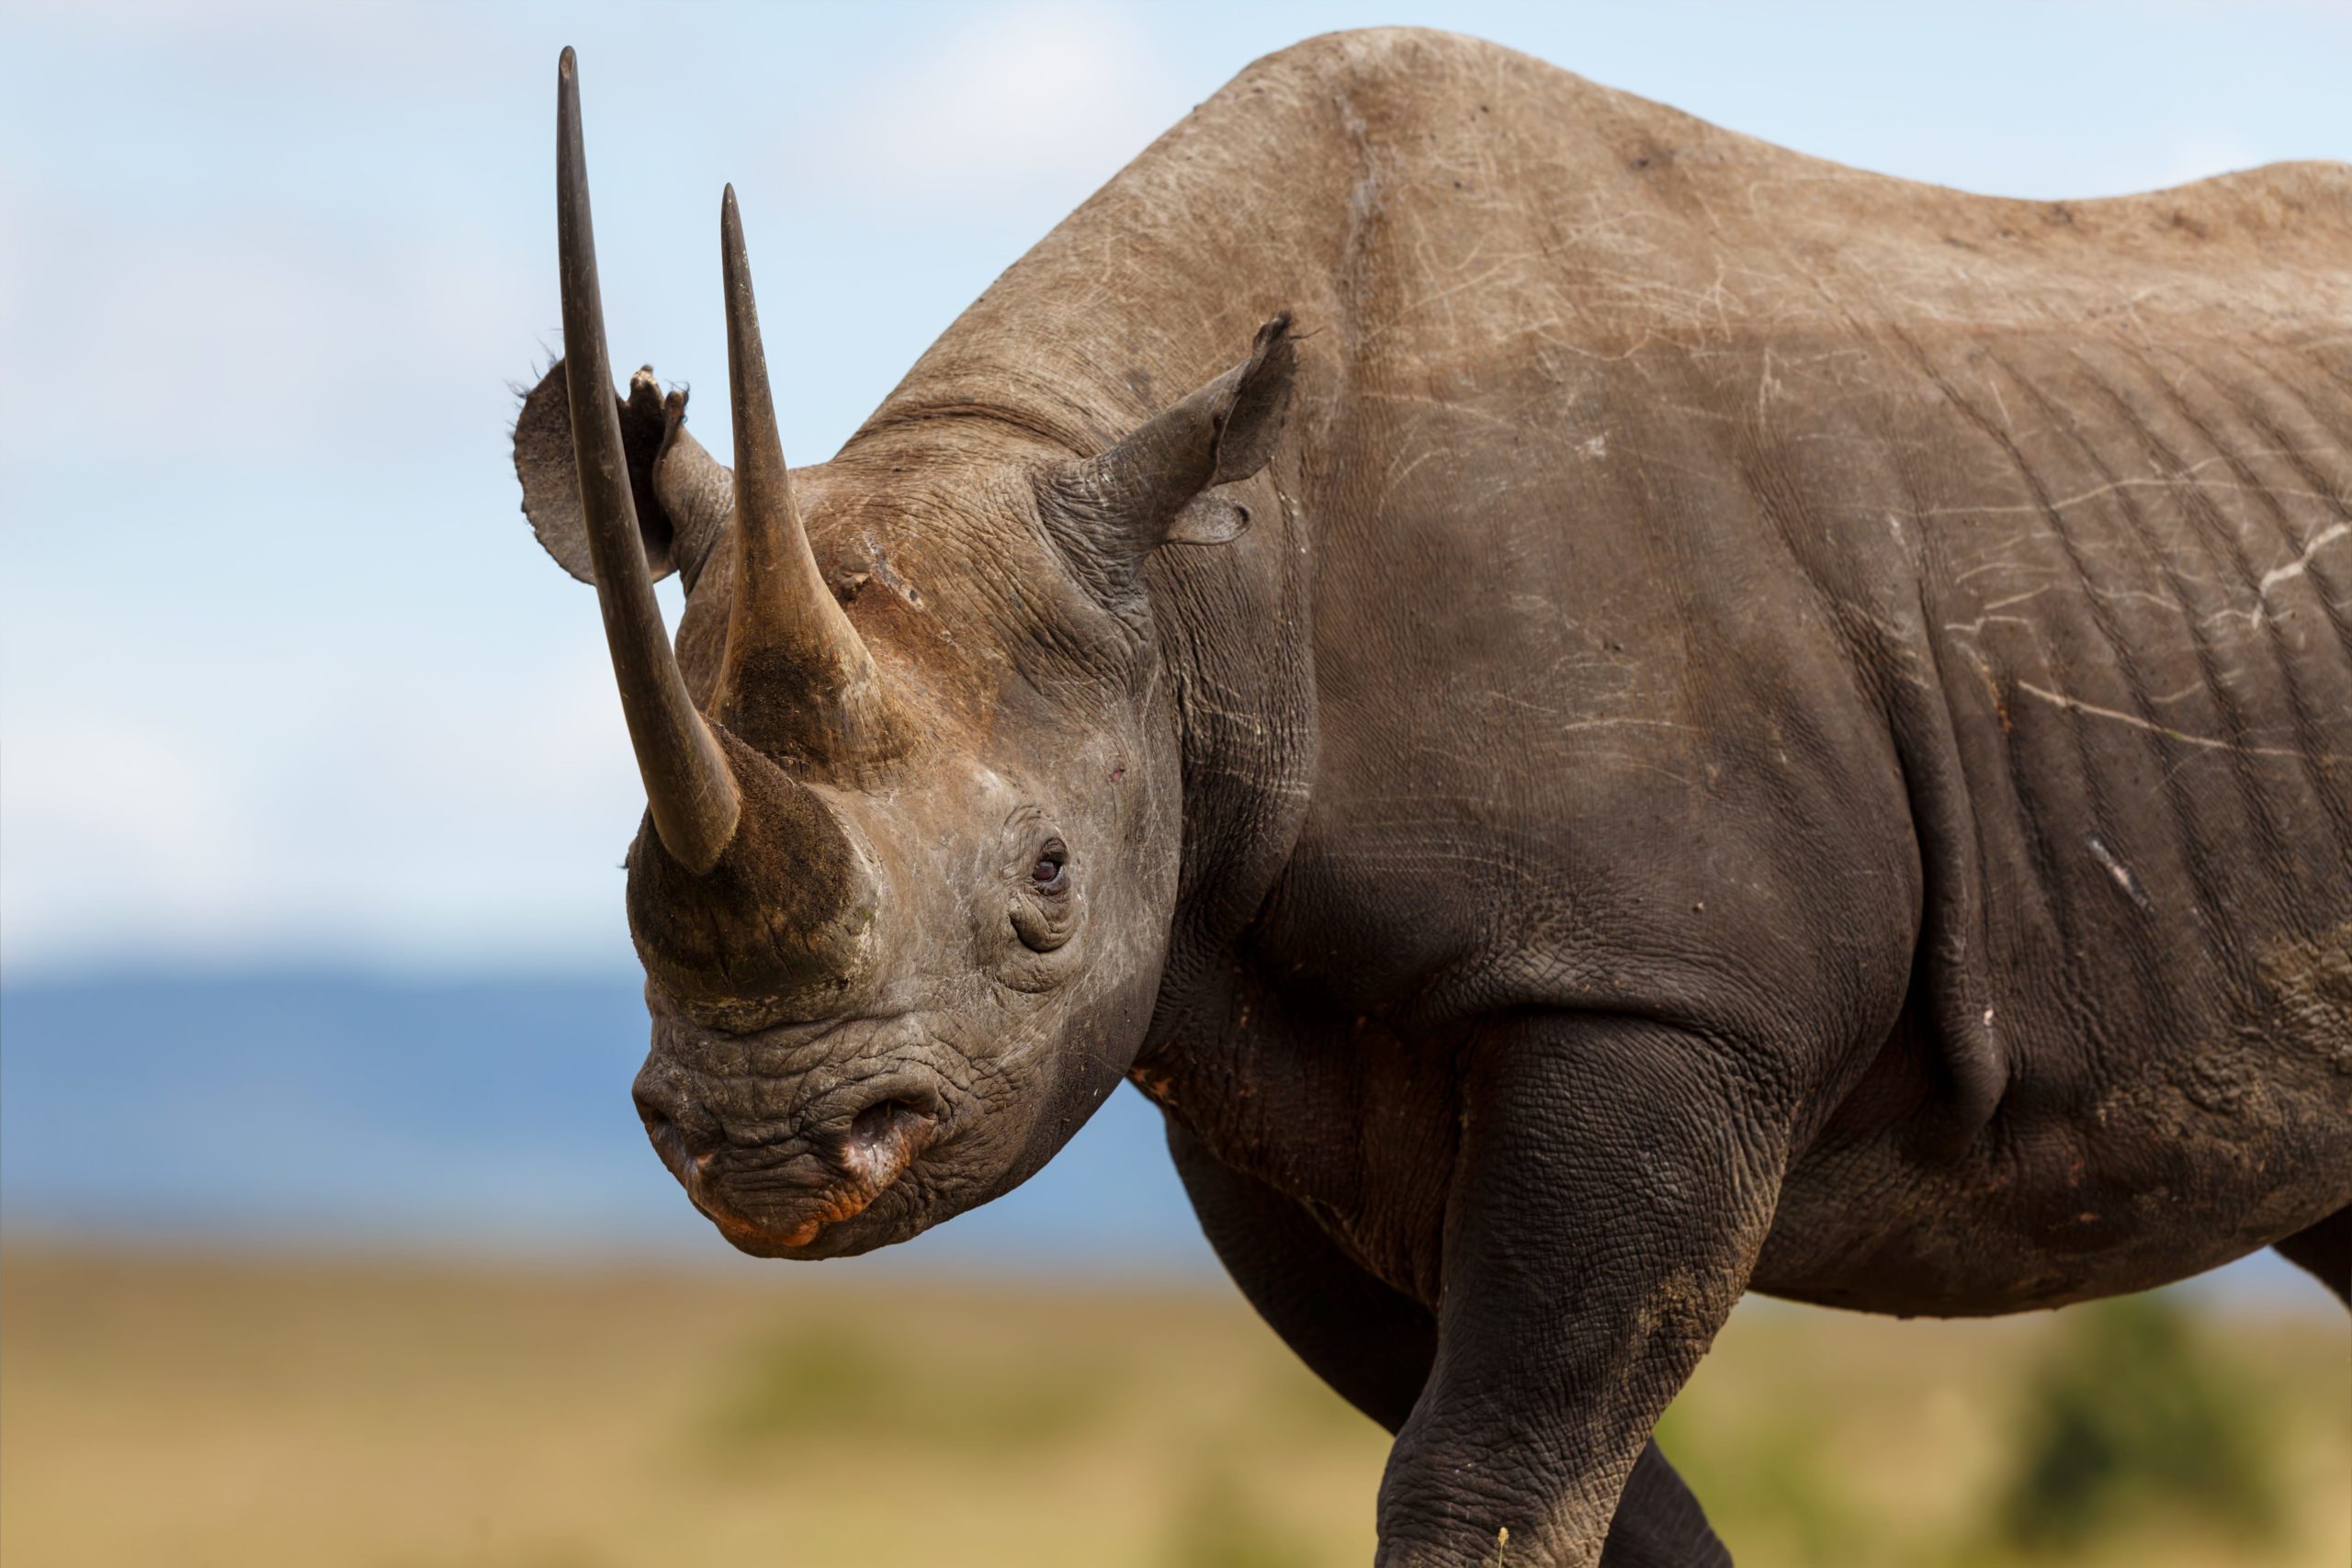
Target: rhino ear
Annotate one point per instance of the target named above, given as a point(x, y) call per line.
point(543, 461)
point(1154, 486)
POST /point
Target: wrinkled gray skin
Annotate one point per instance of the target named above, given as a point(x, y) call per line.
point(1771, 728)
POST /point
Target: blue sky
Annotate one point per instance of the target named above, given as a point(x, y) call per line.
point(282, 675)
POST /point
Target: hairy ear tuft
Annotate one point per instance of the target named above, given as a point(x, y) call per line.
point(695, 490)
point(543, 461)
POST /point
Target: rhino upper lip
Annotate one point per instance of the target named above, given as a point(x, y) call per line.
point(867, 1150)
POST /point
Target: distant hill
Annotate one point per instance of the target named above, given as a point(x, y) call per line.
point(483, 1115)
point(476, 1114)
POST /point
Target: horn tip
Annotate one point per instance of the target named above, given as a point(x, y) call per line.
point(731, 232)
point(567, 64)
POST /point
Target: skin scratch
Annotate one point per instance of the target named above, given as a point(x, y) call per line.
point(2092, 710)
point(1613, 723)
point(2254, 614)
point(2186, 474)
point(2295, 568)
point(2119, 873)
point(1976, 627)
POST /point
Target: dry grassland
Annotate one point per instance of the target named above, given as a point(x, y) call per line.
point(161, 1411)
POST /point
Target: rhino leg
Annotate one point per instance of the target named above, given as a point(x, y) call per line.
point(2326, 1250)
point(1615, 1182)
point(1373, 1345)
point(1658, 1523)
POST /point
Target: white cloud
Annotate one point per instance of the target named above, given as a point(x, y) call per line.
point(446, 821)
point(209, 338)
point(109, 831)
point(370, 44)
point(1034, 102)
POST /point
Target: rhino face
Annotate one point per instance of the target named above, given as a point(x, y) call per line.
point(980, 988)
point(904, 884)
point(997, 993)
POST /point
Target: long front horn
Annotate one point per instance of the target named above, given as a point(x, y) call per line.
point(687, 783)
point(796, 679)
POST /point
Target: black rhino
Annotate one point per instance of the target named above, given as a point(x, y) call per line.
point(1604, 714)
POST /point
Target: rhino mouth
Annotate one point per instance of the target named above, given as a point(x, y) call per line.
point(840, 1187)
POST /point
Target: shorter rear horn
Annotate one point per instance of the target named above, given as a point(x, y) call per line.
point(796, 679)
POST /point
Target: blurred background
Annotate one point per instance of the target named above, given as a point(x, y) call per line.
point(330, 1234)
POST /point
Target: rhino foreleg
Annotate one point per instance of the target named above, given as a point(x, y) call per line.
point(1373, 1345)
point(1614, 1185)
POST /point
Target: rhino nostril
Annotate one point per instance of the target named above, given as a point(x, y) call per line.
point(885, 1137)
point(674, 1129)
point(655, 1114)
point(875, 1123)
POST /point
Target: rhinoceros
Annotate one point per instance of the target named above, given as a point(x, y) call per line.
point(1604, 714)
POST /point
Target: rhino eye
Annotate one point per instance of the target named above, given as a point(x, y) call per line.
point(1050, 875)
point(1044, 913)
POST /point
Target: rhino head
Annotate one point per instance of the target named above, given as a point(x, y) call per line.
point(904, 884)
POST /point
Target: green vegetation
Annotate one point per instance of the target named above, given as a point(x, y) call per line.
point(830, 1385)
point(1218, 1522)
point(2134, 1421)
point(1774, 1480)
